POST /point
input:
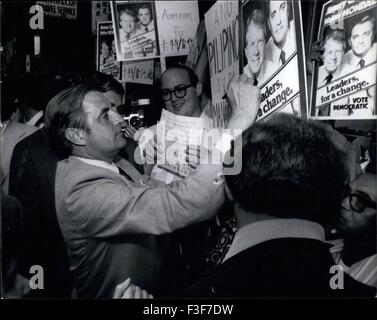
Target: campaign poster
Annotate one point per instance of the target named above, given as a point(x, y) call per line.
point(222, 26)
point(135, 30)
point(273, 54)
point(138, 72)
point(59, 9)
point(177, 23)
point(106, 52)
point(100, 12)
point(344, 82)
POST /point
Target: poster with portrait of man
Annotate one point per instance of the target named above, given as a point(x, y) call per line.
point(272, 52)
point(135, 30)
point(344, 82)
point(106, 51)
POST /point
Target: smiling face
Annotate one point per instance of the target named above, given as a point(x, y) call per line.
point(333, 54)
point(278, 21)
point(144, 16)
point(361, 38)
point(255, 44)
point(127, 22)
point(103, 138)
point(189, 105)
point(357, 222)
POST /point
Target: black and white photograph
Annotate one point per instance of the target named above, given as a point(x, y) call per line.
point(106, 50)
point(345, 86)
point(165, 157)
point(274, 56)
point(135, 29)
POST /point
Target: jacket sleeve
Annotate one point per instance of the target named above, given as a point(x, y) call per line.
point(107, 207)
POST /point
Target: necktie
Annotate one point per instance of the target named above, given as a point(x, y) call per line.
point(146, 29)
point(124, 174)
point(282, 56)
point(255, 82)
point(128, 36)
point(329, 78)
point(362, 63)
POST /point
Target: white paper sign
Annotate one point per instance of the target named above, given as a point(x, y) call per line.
point(179, 132)
point(138, 72)
point(222, 26)
point(177, 24)
point(63, 9)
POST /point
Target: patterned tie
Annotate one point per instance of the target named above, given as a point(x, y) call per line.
point(362, 63)
point(329, 78)
point(124, 174)
point(282, 56)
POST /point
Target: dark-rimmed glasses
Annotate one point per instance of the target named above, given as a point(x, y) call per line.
point(179, 92)
point(359, 201)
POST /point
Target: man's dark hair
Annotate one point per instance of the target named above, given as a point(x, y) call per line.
point(106, 82)
point(144, 6)
point(289, 9)
point(290, 169)
point(191, 73)
point(353, 21)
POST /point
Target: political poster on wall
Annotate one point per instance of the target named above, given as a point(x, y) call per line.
point(177, 22)
point(344, 83)
point(106, 52)
point(59, 9)
point(138, 72)
point(100, 12)
point(222, 26)
point(273, 53)
point(135, 30)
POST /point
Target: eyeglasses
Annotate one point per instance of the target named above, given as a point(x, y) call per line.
point(358, 201)
point(179, 92)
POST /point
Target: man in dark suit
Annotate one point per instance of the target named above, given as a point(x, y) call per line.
point(289, 188)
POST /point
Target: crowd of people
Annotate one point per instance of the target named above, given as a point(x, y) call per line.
point(77, 203)
point(101, 228)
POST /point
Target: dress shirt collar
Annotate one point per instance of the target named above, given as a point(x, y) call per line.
point(35, 118)
point(368, 58)
point(289, 45)
point(100, 163)
point(258, 232)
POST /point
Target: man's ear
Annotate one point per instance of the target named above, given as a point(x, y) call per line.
point(199, 89)
point(75, 136)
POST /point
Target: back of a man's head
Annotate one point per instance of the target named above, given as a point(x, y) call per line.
point(290, 169)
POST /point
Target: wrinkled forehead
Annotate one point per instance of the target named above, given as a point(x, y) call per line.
point(366, 183)
point(94, 102)
point(174, 77)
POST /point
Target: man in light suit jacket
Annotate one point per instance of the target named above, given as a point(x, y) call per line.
point(108, 212)
point(282, 205)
